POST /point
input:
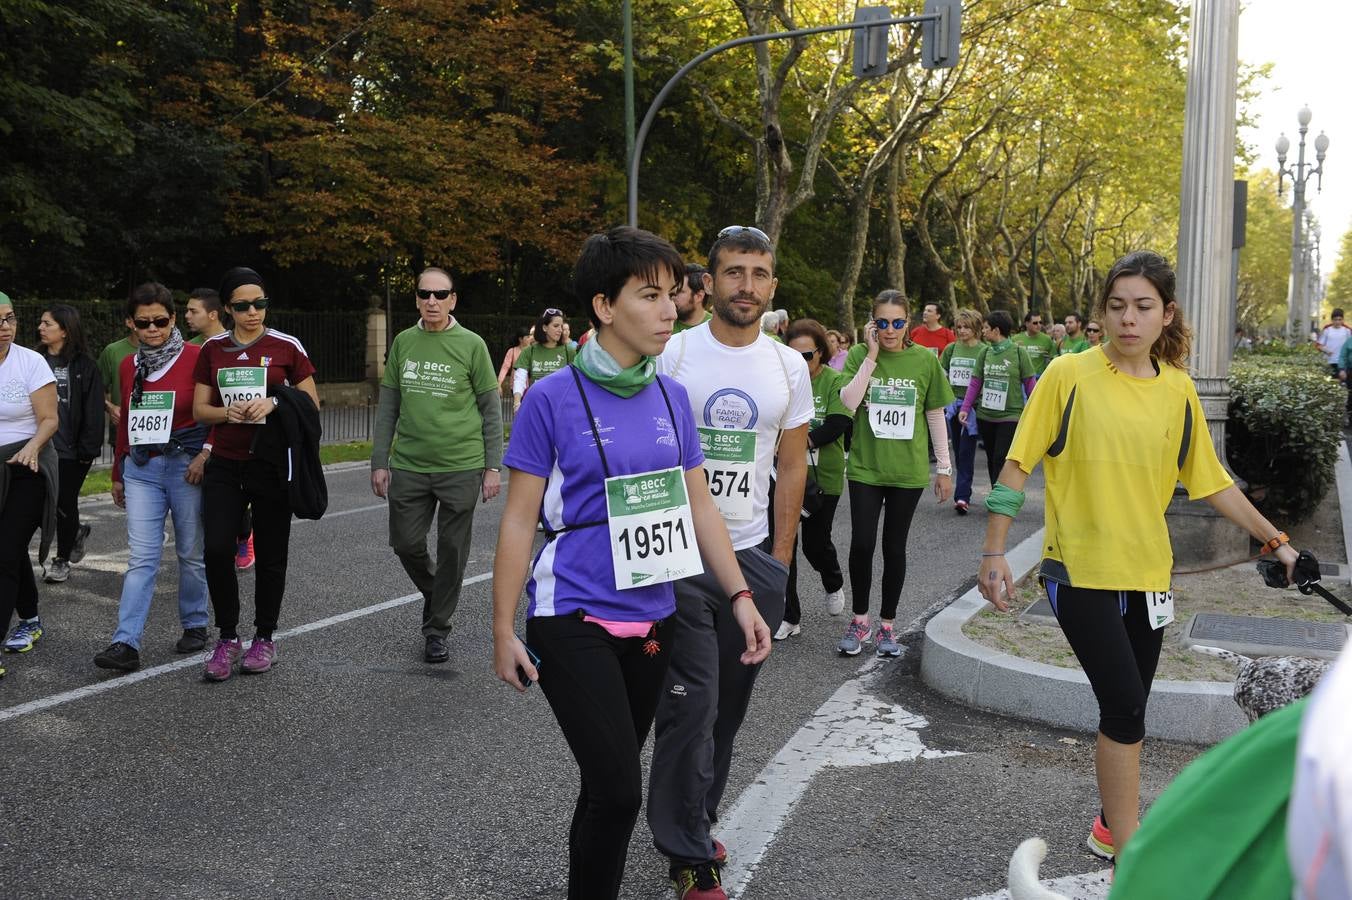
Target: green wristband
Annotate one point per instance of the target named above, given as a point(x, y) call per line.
point(1004, 501)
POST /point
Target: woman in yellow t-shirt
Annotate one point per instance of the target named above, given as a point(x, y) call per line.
point(1125, 418)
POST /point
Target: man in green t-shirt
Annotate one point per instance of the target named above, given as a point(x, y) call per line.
point(1075, 341)
point(1040, 347)
point(204, 313)
point(437, 443)
point(110, 366)
point(689, 300)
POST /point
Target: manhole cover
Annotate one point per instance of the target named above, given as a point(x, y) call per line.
point(1329, 568)
point(1255, 636)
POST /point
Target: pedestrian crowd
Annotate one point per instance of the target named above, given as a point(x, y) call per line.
point(662, 470)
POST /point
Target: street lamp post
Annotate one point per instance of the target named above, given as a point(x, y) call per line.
point(1300, 175)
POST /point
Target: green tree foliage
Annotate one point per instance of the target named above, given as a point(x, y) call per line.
point(1265, 260)
point(1339, 290)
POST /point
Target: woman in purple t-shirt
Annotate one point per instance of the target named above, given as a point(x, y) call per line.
point(606, 456)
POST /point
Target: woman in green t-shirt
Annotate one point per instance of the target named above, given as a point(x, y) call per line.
point(831, 425)
point(1003, 378)
point(547, 355)
point(959, 362)
point(906, 393)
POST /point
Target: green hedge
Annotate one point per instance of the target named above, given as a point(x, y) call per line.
point(1286, 422)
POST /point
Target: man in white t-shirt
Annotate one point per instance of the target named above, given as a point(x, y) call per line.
point(748, 393)
point(1332, 338)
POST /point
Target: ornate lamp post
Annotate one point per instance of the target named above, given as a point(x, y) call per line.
point(1300, 175)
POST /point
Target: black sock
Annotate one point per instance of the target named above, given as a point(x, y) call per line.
point(229, 634)
point(262, 635)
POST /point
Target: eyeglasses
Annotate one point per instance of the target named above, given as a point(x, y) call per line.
point(808, 354)
point(551, 312)
point(158, 322)
point(738, 229)
point(1093, 330)
point(1034, 321)
point(884, 324)
point(9, 321)
point(240, 306)
point(424, 294)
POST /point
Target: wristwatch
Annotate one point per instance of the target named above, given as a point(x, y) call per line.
point(944, 470)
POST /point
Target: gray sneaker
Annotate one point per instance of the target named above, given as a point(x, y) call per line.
point(887, 645)
point(77, 550)
point(855, 637)
point(59, 572)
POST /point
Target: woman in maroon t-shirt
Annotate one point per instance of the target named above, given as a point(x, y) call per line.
point(235, 375)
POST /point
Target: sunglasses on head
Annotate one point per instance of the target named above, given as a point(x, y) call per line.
point(425, 294)
point(551, 312)
point(884, 324)
point(240, 306)
point(158, 322)
point(738, 229)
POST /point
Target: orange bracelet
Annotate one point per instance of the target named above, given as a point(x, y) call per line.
point(1276, 542)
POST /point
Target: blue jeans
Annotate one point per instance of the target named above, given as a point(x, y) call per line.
point(962, 448)
point(153, 490)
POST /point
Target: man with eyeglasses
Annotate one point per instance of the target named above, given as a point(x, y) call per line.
point(748, 393)
point(436, 450)
point(689, 300)
point(1040, 347)
point(1075, 341)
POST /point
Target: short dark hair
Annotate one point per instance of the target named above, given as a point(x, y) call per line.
point(1001, 321)
point(694, 277)
point(608, 260)
point(1028, 315)
point(938, 310)
point(148, 293)
point(210, 300)
point(1337, 312)
point(1076, 314)
point(740, 238)
point(809, 328)
point(68, 317)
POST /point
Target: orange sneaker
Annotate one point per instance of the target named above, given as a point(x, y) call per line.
point(1100, 840)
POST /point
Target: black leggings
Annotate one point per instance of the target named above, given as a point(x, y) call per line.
point(997, 436)
point(1111, 635)
point(867, 501)
point(70, 478)
point(604, 692)
point(821, 555)
point(227, 487)
point(19, 519)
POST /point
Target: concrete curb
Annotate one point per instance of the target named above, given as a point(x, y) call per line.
point(107, 497)
point(954, 665)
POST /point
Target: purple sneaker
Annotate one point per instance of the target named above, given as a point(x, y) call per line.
point(260, 657)
point(223, 658)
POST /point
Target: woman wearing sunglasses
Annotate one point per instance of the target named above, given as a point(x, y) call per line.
point(157, 471)
point(1094, 332)
point(547, 355)
point(235, 374)
point(830, 428)
point(900, 393)
point(79, 440)
point(1002, 379)
point(627, 513)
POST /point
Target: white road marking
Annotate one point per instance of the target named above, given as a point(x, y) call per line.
point(852, 728)
point(112, 684)
point(1089, 886)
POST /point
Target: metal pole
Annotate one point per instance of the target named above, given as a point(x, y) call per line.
point(651, 116)
point(1293, 307)
point(628, 13)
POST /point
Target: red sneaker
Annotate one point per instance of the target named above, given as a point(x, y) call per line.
point(1100, 840)
point(244, 555)
point(702, 882)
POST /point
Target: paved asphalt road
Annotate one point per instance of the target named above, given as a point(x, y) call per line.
point(356, 770)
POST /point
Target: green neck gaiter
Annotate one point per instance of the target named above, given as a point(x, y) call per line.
point(602, 369)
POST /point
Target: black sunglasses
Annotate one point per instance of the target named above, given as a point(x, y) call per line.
point(240, 306)
point(884, 324)
point(158, 322)
point(1093, 330)
point(808, 354)
point(738, 229)
point(425, 294)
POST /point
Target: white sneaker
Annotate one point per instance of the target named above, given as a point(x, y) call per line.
point(787, 631)
point(835, 602)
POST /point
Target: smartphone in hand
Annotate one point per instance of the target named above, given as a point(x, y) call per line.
point(534, 661)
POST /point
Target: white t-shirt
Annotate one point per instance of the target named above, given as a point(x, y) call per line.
point(1332, 340)
point(763, 386)
point(1319, 819)
point(22, 373)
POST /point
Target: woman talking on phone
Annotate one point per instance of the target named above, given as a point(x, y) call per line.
point(606, 454)
point(1125, 419)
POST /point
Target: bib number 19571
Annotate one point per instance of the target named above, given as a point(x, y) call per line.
point(652, 533)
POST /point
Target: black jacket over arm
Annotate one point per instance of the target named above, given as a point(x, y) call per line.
point(290, 441)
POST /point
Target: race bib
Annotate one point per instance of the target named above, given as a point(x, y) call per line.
point(652, 533)
point(1159, 606)
point(891, 412)
point(730, 466)
point(960, 371)
point(152, 420)
point(813, 454)
point(995, 394)
point(242, 384)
